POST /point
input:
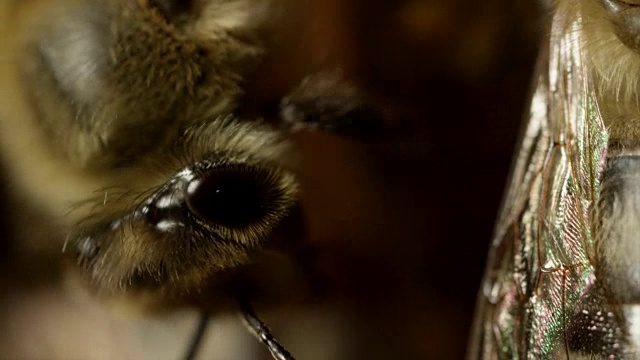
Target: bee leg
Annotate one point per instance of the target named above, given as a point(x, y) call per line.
point(325, 102)
point(196, 340)
point(260, 330)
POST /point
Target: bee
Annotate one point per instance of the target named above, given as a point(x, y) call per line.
point(562, 275)
point(132, 100)
point(129, 113)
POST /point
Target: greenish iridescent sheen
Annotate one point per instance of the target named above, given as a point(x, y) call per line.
point(540, 284)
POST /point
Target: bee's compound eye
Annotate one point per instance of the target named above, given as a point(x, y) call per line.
point(233, 196)
point(625, 16)
point(171, 10)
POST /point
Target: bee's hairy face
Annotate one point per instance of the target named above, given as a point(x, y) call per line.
point(98, 72)
point(130, 101)
point(207, 219)
point(201, 219)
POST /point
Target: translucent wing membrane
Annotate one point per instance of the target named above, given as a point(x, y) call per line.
point(541, 297)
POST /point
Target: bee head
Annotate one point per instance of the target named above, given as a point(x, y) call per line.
point(204, 219)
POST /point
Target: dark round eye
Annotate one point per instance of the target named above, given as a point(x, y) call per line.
point(233, 196)
point(173, 10)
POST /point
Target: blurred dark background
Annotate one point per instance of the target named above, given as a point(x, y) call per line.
point(405, 223)
point(402, 225)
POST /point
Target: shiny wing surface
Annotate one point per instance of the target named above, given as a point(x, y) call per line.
point(540, 296)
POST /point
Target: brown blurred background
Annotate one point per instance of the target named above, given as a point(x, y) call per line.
point(405, 223)
point(401, 226)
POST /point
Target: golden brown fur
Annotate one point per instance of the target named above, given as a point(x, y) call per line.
point(614, 66)
point(103, 102)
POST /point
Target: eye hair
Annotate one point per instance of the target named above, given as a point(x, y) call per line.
point(240, 140)
point(227, 138)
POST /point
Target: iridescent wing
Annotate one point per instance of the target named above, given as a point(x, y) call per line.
point(541, 297)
